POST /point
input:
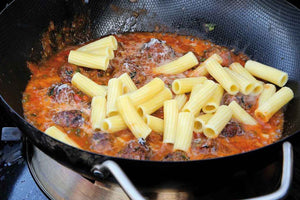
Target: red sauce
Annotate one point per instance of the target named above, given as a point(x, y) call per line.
point(137, 54)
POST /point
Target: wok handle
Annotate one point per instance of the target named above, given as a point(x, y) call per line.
point(286, 176)
point(102, 170)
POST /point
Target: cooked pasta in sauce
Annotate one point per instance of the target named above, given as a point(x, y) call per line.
point(50, 99)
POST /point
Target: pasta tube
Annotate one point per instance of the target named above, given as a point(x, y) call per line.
point(131, 118)
point(218, 72)
point(170, 120)
point(246, 86)
point(181, 100)
point(128, 84)
point(184, 85)
point(199, 99)
point(88, 60)
point(214, 102)
point(87, 86)
point(238, 68)
point(240, 114)
point(217, 122)
point(109, 41)
point(146, 92)
point(201, 121)
point(267, 73)
point(265, 111)
point(179, 65)
point(195, 89)
point(155, 103)
point(184, 132)
point(113, 92)
point(269, 90)
point(61, 136)
point(113, 124)
point(98, 108)
point(155, 123)
point(201, 69)
point(102, 51)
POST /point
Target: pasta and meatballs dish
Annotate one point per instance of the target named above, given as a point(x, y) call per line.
point(154, 96)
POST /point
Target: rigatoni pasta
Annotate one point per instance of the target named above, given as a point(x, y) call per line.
point(98, 112)
point(181, 100)
point(179, 65)
point(128, 84)
point(170, 120)
point(132, 119)
point(213, 103)
point(155, 123)
point(109, 41)
point(238, 68)
point(88, 60)
point(155, 103)
point(265, 111)
point(267, 73)
point(146, 92)
point(184, 132)
point(185, 85)
point(102, 51)
point(61, 136)
point(113, 124)
point(240, 114)
point(114, 91)
point(201, 69)
point(268, 91)
point(217, 122)
point(218, 72)
point(200, 122)
point(87, 86)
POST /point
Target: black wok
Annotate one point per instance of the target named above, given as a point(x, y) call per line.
point(267, 31)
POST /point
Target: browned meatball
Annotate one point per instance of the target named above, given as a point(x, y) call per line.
point(176, 156)
point(135, 150)
point(231, 129)
point(66, 72)
point(62, 93)
point(101, 142)
point(245, 101)
point(69, 118)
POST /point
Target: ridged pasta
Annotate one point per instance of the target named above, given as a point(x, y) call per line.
point(218, 72)
point(61, 136)
point(217, 122)
point(87, 86)
point(102, 51)
point(128, 84)
point(146, 92)
point(109, 41)
point(199, 99)
point(88, 60)
point(201, 121)
point(179, 65)
point(201, 69)
point(269, 90)
point(98, 112)
point(170, 120)
point(155, 103)
point(155, 123)
point(113, 124)
point(238, 68)
point(185, 85)
point(114, 91)
point(132, 119)
point(181, 100)
point(265, 111)
point(184, 132)
point(245, 86)
point(240, 114)
point(267, 73)
point(214, 102)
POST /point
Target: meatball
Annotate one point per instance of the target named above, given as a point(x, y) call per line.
point(245, 101)
point(231, 129)
point(221, 51)
point(135, 150)
point(66, 72)
point(101, 142)
point(62, 93)
point(157, 50)
point(69, 118)
point(176, 156)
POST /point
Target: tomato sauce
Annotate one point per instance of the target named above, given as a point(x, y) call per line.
point(50, 92)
